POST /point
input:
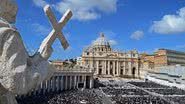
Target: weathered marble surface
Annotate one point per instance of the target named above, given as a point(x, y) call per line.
point(19, 72)
point(56, 32)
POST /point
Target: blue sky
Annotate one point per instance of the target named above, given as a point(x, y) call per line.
point(145, 25)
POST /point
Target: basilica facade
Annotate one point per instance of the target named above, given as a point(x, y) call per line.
point(108, 62)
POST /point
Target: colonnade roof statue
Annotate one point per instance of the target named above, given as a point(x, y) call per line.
point(19, 72)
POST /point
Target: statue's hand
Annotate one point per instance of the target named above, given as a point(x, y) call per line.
point(46, 52)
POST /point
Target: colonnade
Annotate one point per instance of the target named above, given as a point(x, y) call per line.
point(59, 83)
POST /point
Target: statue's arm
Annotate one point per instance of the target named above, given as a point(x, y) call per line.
point(45, 49)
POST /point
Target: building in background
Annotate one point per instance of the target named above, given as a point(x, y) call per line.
point(108, 62)
point(163, 57)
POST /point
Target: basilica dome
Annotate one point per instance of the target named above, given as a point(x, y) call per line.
point(101, 41)
point(101, 44)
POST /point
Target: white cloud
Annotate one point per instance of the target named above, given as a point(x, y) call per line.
point(137, 35)
point(113, 42)
point(170, 24)
point(87, 9)
point(40, 3)
point(40, 29)
point(83, 10)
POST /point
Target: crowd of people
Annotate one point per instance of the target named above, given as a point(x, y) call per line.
point(83, 96)
point(76, 97)
point(169, 91)
point(148, 84)
point(176, 100)
point(139, 100)
point(116, 92)
point(128, 93)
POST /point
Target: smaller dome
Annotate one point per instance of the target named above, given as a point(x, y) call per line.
point(101, 41)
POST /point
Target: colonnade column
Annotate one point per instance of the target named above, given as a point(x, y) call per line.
point(70, 82)
point(49, 85)
point(44, 87)
point(61, 83)
point(75, 82)
point(53, 83)
point(91, 82)
point(57, 83)
point(66, 80)
point(39, 88)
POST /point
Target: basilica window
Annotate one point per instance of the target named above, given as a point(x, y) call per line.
point(111, 72)
point(100, 71)
point(107, 72)
point(133, 55)
point(87, 53)
point(121, 72)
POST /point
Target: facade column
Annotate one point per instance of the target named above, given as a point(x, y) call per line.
point(124, 67)
point(137, 70)
point(108, 67)
point(84, 81)
point(104, 68)
point(130, 68)
point(118, 68)
point(113, 68)
point(97, 67)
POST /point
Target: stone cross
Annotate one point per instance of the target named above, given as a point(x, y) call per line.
point(57, 27)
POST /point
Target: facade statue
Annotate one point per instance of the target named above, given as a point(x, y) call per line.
point(19, 72)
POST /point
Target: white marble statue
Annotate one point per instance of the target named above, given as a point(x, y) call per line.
point(19, 72)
